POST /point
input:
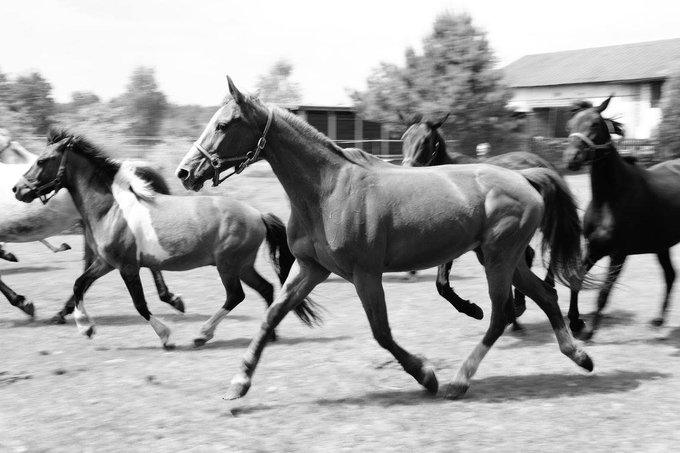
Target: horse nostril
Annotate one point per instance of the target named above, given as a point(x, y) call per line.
point(14, 189)
point(182, 173)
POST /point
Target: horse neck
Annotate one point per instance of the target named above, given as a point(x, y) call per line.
point(305, 165)
point(90, 192)
point(608, 176)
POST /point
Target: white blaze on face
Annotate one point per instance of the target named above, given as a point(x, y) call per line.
point(136, 213)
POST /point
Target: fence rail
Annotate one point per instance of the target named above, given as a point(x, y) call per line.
point(646, 152)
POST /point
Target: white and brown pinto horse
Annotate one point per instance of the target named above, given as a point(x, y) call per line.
point(21, 222)
point(356, 216)
point(129, 226)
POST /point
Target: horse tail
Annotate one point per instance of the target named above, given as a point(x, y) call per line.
point(153, 177)
point(282, 260)
point(561, 225)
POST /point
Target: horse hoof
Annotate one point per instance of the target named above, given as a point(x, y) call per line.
point(169, 346)
point(198, 342)
point(520, 307)
point(430, 381)
point(177, 303)
point(273, 338)
point(89, 333)
point(456, 391)
point(28, 308)
point(237, 390)
point(577, 326)
point(586, 335)
point(10, 257)
point(586, 363)
point(57, 319)
point(63, 247)
point(517, 327)
point(657, 322)
point(475, 311)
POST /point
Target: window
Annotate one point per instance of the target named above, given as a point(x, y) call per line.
point(655, 93)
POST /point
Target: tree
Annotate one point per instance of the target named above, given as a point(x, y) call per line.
point(144, 102)
point(276, 85)
point(669, 127)
point(83, 98)
point(29, 95)
point(454, 74)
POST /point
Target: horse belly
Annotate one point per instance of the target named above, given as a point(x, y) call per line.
point(27, 222)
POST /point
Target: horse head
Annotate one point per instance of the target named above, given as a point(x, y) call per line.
point(47, 172)
point(590, 134)
point(422, 143)
point(234, 138)
point(12, 152)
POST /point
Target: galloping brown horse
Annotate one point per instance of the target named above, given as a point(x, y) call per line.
point(129, 226)
point(356, 216)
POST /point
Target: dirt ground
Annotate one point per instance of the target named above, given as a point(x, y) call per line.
point(330, 388)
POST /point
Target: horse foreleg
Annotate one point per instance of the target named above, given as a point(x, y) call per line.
point(97, 269)
point(70, 304)
point(17, 300)
point(576, 324)
point(303, 277)
point(669, 274)
point(265, 289)
point(62, 248)
point(174, 300)
point(134, 286)
point(370, 291)
point(444, 289)
point(615, 268)
point(235, 296)
point(546, 298)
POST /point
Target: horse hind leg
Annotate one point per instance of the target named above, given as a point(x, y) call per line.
point(615, 268)
point(546, 298)
point(444, 289)
point(134, 286)
point(500, 290)
point(235, 296)
point(576, 324)
point(370, 291)
point(165, 295)
point(669, 274)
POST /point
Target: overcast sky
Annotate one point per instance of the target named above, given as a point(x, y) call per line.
point(94, 45)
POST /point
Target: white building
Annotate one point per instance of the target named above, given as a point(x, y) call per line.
point(545, 85)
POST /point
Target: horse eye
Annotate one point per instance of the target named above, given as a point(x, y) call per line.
point(221, 127)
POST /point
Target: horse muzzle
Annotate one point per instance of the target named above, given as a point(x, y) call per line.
point(23, 192)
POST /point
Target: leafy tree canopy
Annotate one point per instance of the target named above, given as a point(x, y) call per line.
point(454, 74)
point(276, 86)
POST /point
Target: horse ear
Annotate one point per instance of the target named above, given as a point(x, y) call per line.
point(604, 105)
point(403, 119)
point(235, 93)
point(437, 124)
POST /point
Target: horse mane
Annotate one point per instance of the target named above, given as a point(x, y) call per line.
point(355, 155)
point(111, 170)
point(614, 127)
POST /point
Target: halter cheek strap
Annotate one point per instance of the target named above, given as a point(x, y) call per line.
point(43, 191)
point(250, 157)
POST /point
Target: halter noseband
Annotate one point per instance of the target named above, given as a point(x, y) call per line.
point(56, 184)
point(250, 157)
point(584, 138)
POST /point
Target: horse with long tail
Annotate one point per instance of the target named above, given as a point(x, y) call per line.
point(129, 226)
point(633, 210)
point(21, 222)
point(356, 216)
point(424, 146)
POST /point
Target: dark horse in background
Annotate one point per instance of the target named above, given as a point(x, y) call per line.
point(632, 211)
point(424, 146)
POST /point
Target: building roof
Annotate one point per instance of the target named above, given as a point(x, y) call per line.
point(653, 60)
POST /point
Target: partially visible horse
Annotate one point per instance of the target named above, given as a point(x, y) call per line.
point(424, 146)
point(356, 216)
point(633, 210)
point(130, 226)
point(21, 222)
